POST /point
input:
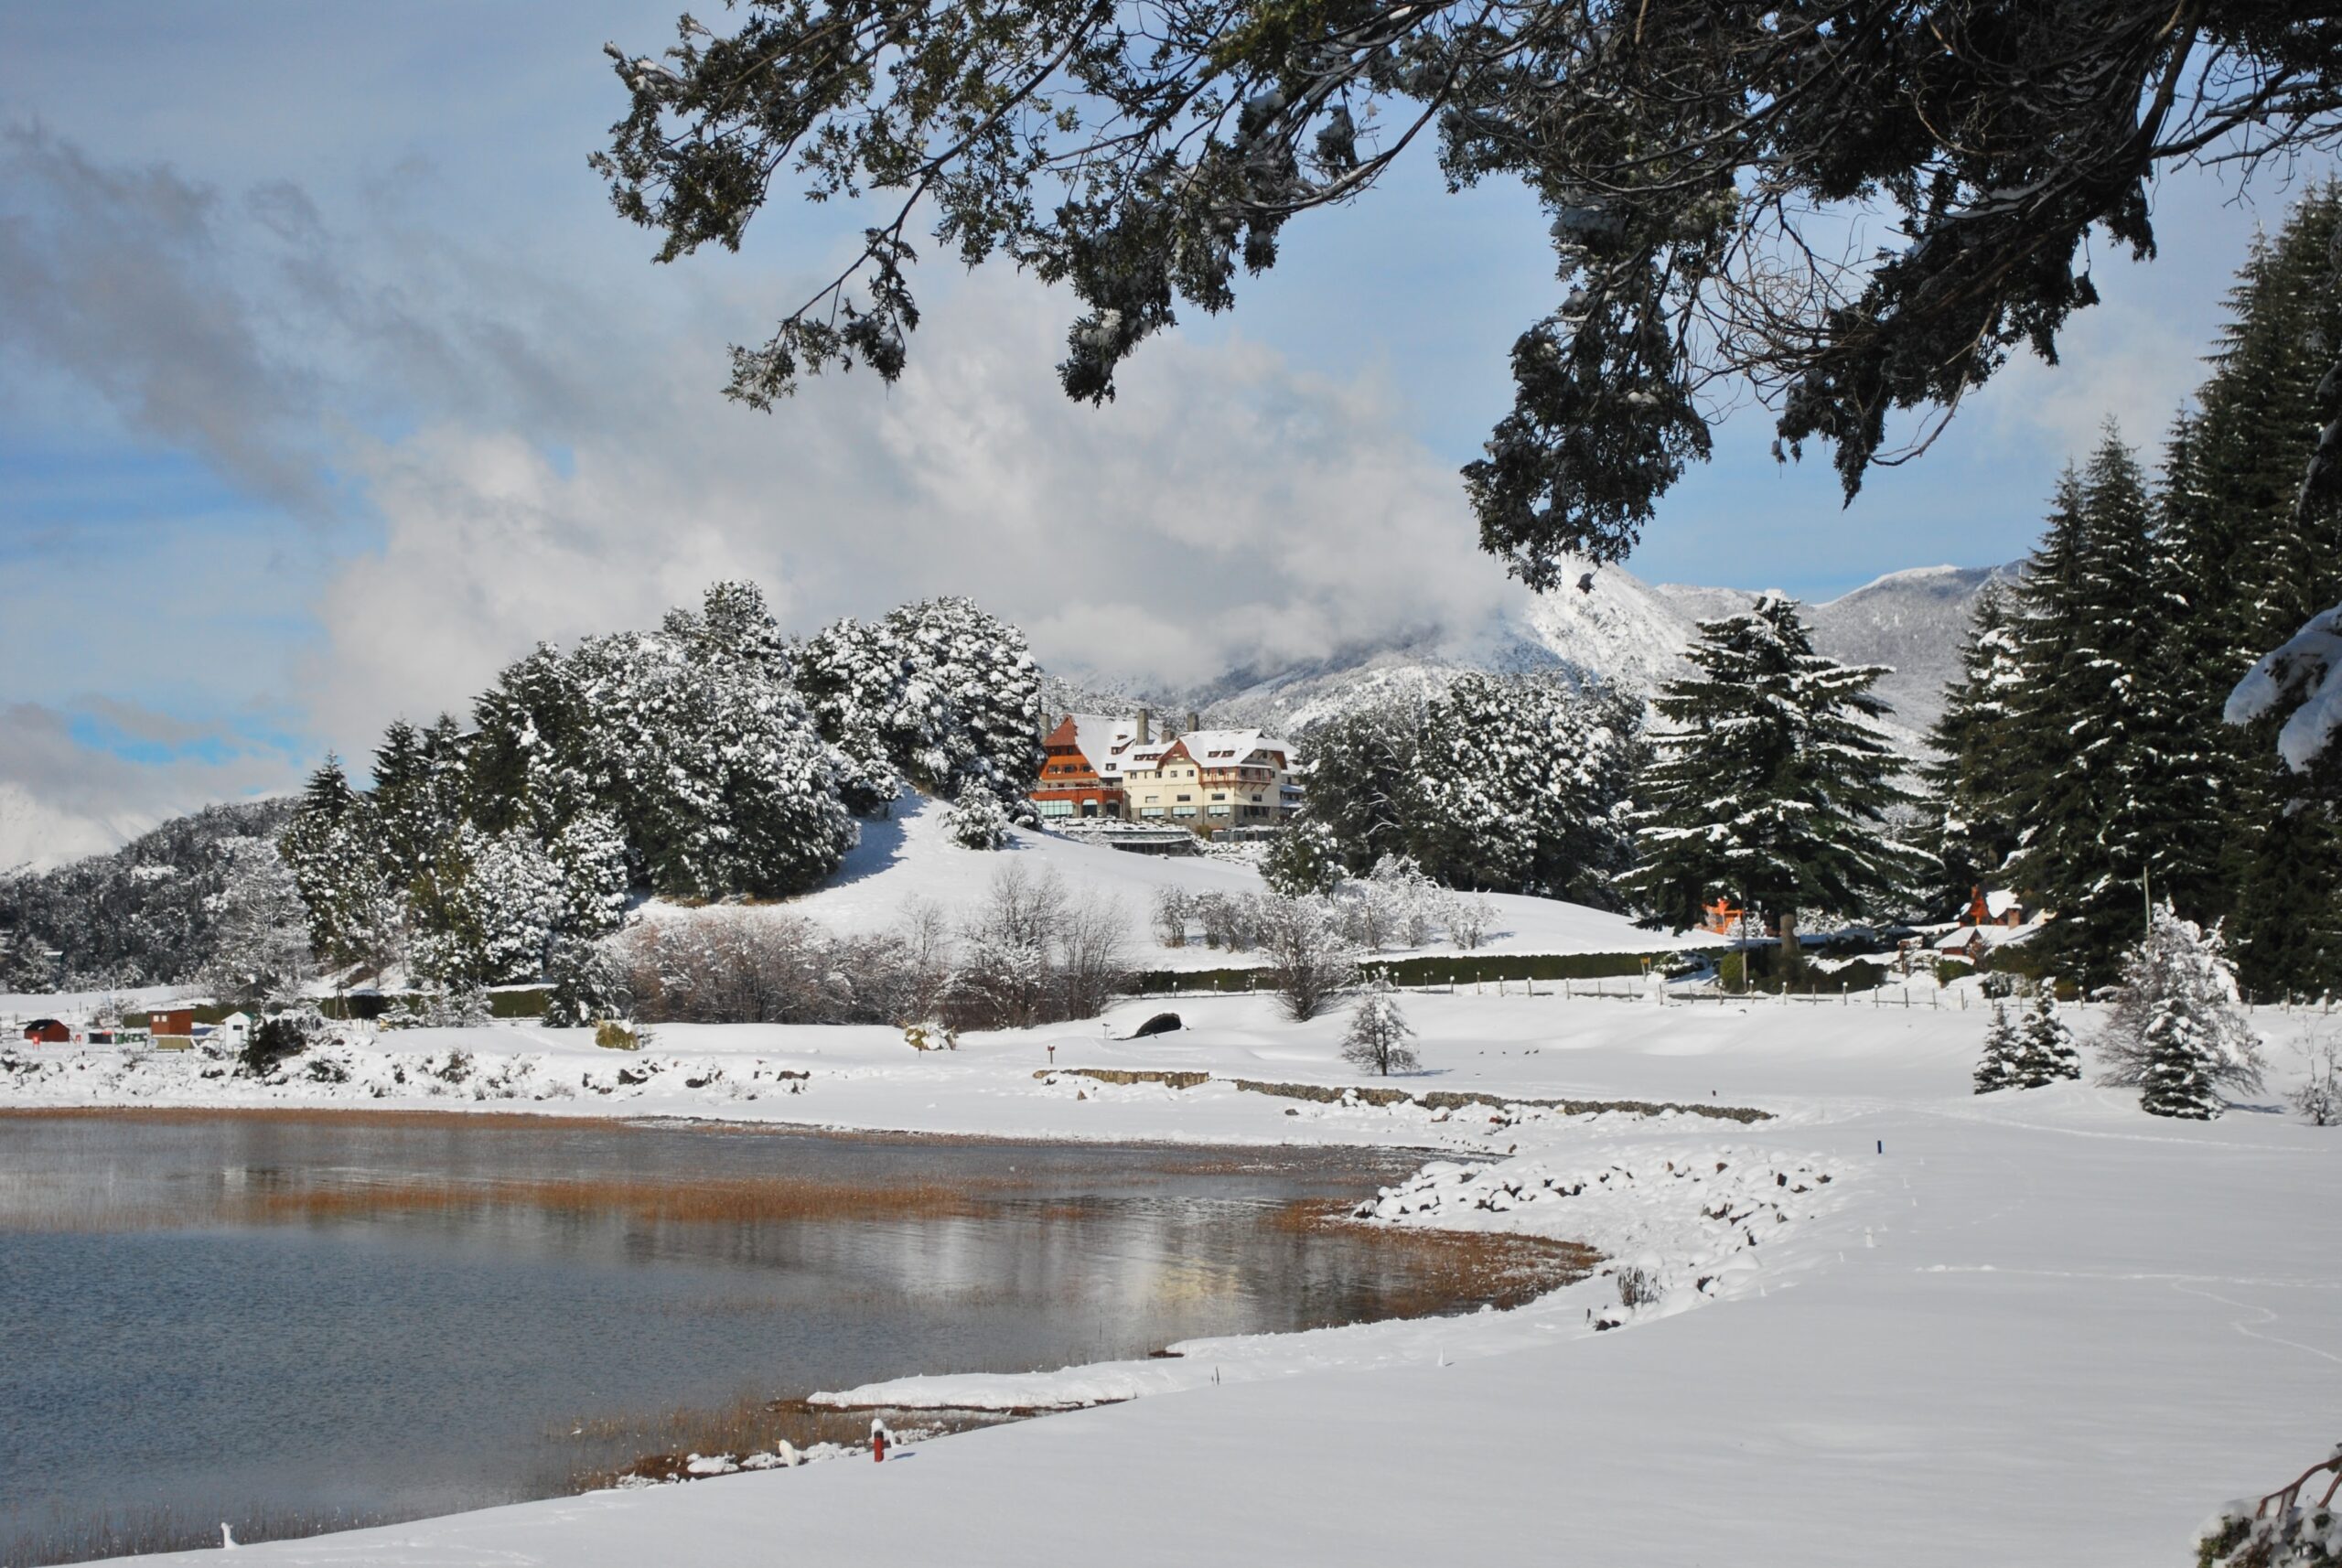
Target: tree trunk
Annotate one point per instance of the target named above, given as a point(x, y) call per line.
point(1792, 960)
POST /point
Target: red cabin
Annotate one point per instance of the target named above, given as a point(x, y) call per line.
point(48, 1032)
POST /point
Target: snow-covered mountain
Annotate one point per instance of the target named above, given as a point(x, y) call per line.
point(1623, 631)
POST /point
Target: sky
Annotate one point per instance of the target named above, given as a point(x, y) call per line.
point(329, 383)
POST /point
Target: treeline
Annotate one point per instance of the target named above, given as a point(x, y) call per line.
point(2086, 759)
point(712, 759)
point(143, 915)
point(1502, 784)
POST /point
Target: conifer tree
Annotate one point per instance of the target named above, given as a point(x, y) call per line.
point(2259, 554)
point(1996, 1069)
point(2046, 1052)
point(2177, 1025)
point(2177, 1076)
point(1769, 787)
point(2107, 794)
point(1970, 833)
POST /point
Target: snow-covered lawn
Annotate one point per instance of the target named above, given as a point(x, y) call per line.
point(910, 859)
point(2029, 1327)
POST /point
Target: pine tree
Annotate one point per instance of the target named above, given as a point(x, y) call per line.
point(333, 847)
point(2257, 556)
point(2177, 1004)
point(2177, 1077)
point(1769, 786)
point(1971, 833)
point(1378, 1034)
point(260, 935)
point(2107, 798)
point(2046, 1052)
point(1997, 1067)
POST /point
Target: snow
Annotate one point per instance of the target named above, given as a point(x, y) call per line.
point(2032, 1326)
point(910, 859)
point(2307, 673)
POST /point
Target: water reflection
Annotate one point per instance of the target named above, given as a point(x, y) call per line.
point(223, 1317)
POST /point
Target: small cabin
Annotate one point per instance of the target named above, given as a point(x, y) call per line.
point(48, 1032)
point(173, 1028)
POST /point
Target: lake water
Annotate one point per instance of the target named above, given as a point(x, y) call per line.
point(287, 1321)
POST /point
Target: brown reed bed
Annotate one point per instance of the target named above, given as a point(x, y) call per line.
point(1446, 1273)
point(731, 1200)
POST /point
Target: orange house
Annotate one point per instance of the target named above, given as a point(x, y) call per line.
point(1069, 785)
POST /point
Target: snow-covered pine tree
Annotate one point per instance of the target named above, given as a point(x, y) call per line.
point(851, 674)
point(1305, 861)
point(486, 910)
point(2179, 1064)
point(260, 950)
point(2046, 1052)
point(334, 846)
point(1971, 835)
point(937, 692)
point(2177, 1005)
point(969, 714)
point(978, 821)
point(1769, 787)
point(1378, 1034)
point(586, 985)
point(1520, 786)
point(2106, 789)
point(1996, 1068)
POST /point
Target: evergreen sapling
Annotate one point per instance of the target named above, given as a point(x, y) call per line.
point(1998, 1069)
point(2046, 1052)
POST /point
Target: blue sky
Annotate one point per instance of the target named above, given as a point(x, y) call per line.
point(328, 382)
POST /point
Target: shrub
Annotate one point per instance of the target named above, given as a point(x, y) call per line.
point(1636, 1286)
point(1378, 1034)
point(277, 1039)
point(1311, 961)
point(977, 820)
point(613, 1035)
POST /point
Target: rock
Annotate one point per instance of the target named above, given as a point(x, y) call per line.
point(1161, 1023)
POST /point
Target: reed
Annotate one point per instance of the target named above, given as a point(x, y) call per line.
point(720, 1201)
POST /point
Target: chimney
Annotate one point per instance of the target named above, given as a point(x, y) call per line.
point(1194, 722)
point(1143, 737)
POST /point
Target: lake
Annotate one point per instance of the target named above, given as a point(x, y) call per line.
point(290, 1321)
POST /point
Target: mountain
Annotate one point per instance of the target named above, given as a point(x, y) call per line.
point(1616, 630)
point(1912, 621)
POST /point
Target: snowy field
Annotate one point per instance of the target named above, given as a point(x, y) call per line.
point(910, 859)
point(2037, 1327)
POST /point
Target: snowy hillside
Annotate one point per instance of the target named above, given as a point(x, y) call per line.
point(1621, 630)
point(911, 860)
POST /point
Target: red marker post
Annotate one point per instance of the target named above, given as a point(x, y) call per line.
point(877, 1443)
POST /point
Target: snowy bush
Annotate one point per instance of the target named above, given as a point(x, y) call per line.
point(1229, 920)
point(1470, 918)
point(2320, 1096)
point(457, 1007)
point(1311, 961)
point(977, 820)
point(1169, 916)
point(2176, 1030)
point(1030, 955)
point(1378, 1034)
point(278, 1038)
point(2282, 1530)
point(746, 966)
